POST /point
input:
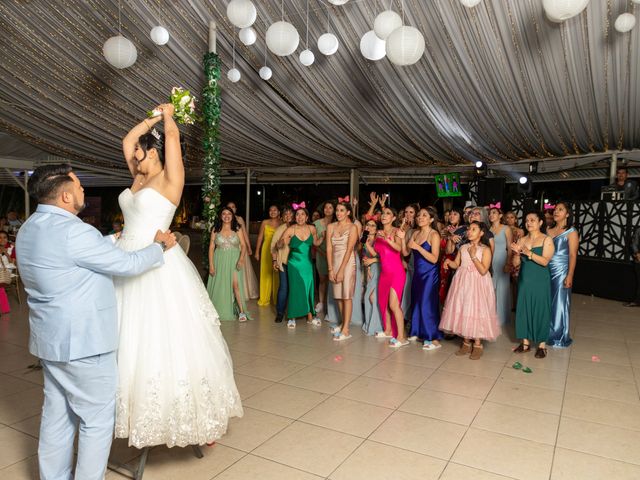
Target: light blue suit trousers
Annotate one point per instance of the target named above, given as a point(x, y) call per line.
point(78, 394)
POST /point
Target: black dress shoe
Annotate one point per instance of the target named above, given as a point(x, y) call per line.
point(278, 319)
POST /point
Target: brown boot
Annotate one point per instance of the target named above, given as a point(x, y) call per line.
point(477, 352)
point(465, 349)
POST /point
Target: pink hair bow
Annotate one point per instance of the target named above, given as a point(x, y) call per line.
point(548, 206)
point(495, 205)
point(375, 217)
point(296, 206)
point(343, 199)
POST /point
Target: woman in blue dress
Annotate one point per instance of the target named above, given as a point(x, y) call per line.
point(501, 264)
point(425, 285)
point(562, 266)
point(372, 319)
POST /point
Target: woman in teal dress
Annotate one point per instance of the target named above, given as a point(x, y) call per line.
point(533, 253)
point(227, 252)
point(300, 237)
point(372, 318)
point(561, 268)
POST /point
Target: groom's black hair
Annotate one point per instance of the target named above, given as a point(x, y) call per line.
point(155, 139)
point(46, 181)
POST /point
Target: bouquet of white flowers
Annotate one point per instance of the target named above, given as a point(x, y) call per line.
point(184, 104)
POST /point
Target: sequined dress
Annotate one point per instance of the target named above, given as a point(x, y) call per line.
point(176, 376)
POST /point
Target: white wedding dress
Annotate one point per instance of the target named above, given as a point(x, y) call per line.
point(176, 377)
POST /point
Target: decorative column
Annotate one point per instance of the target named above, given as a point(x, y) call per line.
point(210, 141)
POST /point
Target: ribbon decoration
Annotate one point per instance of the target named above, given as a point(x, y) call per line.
point(375, 217)
point(296, 206)
point(548, 206)
point(497, 205)
point(343, 199)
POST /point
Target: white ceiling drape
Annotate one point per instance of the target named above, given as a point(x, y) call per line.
point(497, 82)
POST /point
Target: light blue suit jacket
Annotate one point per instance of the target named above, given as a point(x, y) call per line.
point(66, 267)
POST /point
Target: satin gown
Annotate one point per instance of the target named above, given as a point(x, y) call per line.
point(268, 276)
point(392, 276)
point(300, 276)
point(220, 285)
point(533, 310)
point(425, 302)
point(501, 283)
point(560, 296)
point(345, 289)
point(372, 319)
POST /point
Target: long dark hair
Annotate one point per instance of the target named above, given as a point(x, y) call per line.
point(156, 140)
point(569, 208)
point(321, 210)
point(460, 213)
point(349, 208)
point(484, 240)
point(217, 226)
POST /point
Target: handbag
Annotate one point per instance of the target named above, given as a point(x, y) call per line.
point(5, 273)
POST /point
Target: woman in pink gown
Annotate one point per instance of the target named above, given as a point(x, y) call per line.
point(470, 309)
point(389, 245)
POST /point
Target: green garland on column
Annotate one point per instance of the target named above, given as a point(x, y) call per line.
point(211, 145)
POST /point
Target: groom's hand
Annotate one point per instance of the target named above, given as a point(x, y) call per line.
point(168, 238)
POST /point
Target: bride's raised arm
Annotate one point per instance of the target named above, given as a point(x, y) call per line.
point(173, 166)
point(131, 140)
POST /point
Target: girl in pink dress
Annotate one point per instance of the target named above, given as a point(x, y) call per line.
point(470, 309)
point(388, 246)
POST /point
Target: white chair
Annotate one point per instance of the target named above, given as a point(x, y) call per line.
point(185, 243)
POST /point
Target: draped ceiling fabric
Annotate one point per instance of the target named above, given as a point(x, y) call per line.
point(497, 82)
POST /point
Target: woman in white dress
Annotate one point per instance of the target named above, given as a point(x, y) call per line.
point(176, 378)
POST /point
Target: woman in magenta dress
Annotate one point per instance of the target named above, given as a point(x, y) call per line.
point(388, 245)
point(470, 310)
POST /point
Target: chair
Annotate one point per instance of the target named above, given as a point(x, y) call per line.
point(15, 284)
point(178, 236)
point(185, 243)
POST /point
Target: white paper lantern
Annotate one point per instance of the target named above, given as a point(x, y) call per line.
point(328, 44)
point(405, 46)
point(159, 35)
point(265, 73)
point(625, 22)
point(371, 47)
point(248, 36)
point(307, 57)
point(385, 23)
point(470, 3)
point(342, 2)
point(282, 38)
point(637, 2)
point(120, 52)
point(241, 13)
point(233, 75)
point(561, 10)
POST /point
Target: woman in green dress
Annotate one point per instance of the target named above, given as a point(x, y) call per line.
point(227, 252)
point(300, 238)
point(533, 311)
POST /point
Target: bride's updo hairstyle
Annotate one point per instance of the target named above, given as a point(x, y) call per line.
point(155, 139)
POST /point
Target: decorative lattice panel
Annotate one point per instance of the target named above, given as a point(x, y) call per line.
point(587, 217)
point(615, 230)
point(517, 207)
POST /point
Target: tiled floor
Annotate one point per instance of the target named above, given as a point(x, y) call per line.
point(360, 410)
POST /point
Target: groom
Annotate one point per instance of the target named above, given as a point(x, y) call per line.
point(66, 266)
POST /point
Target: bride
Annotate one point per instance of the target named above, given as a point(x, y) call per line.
point(176, 378)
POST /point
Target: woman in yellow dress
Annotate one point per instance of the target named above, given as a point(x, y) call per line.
point(268, 275)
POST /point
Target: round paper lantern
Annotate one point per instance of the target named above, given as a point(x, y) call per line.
point(282, 38)
point(248, 36)
point(637, 2)
point(233, 75)
point(265, 73)
point(241, 13)
point(159, 35)
point(385, 23)
point(405, 46)
point(625, 22)
point(307, 57)
point(342, 2)
point(561, 10)
point(120, 52)
point(470, 3)
point(371, 47)
point(328, 44)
